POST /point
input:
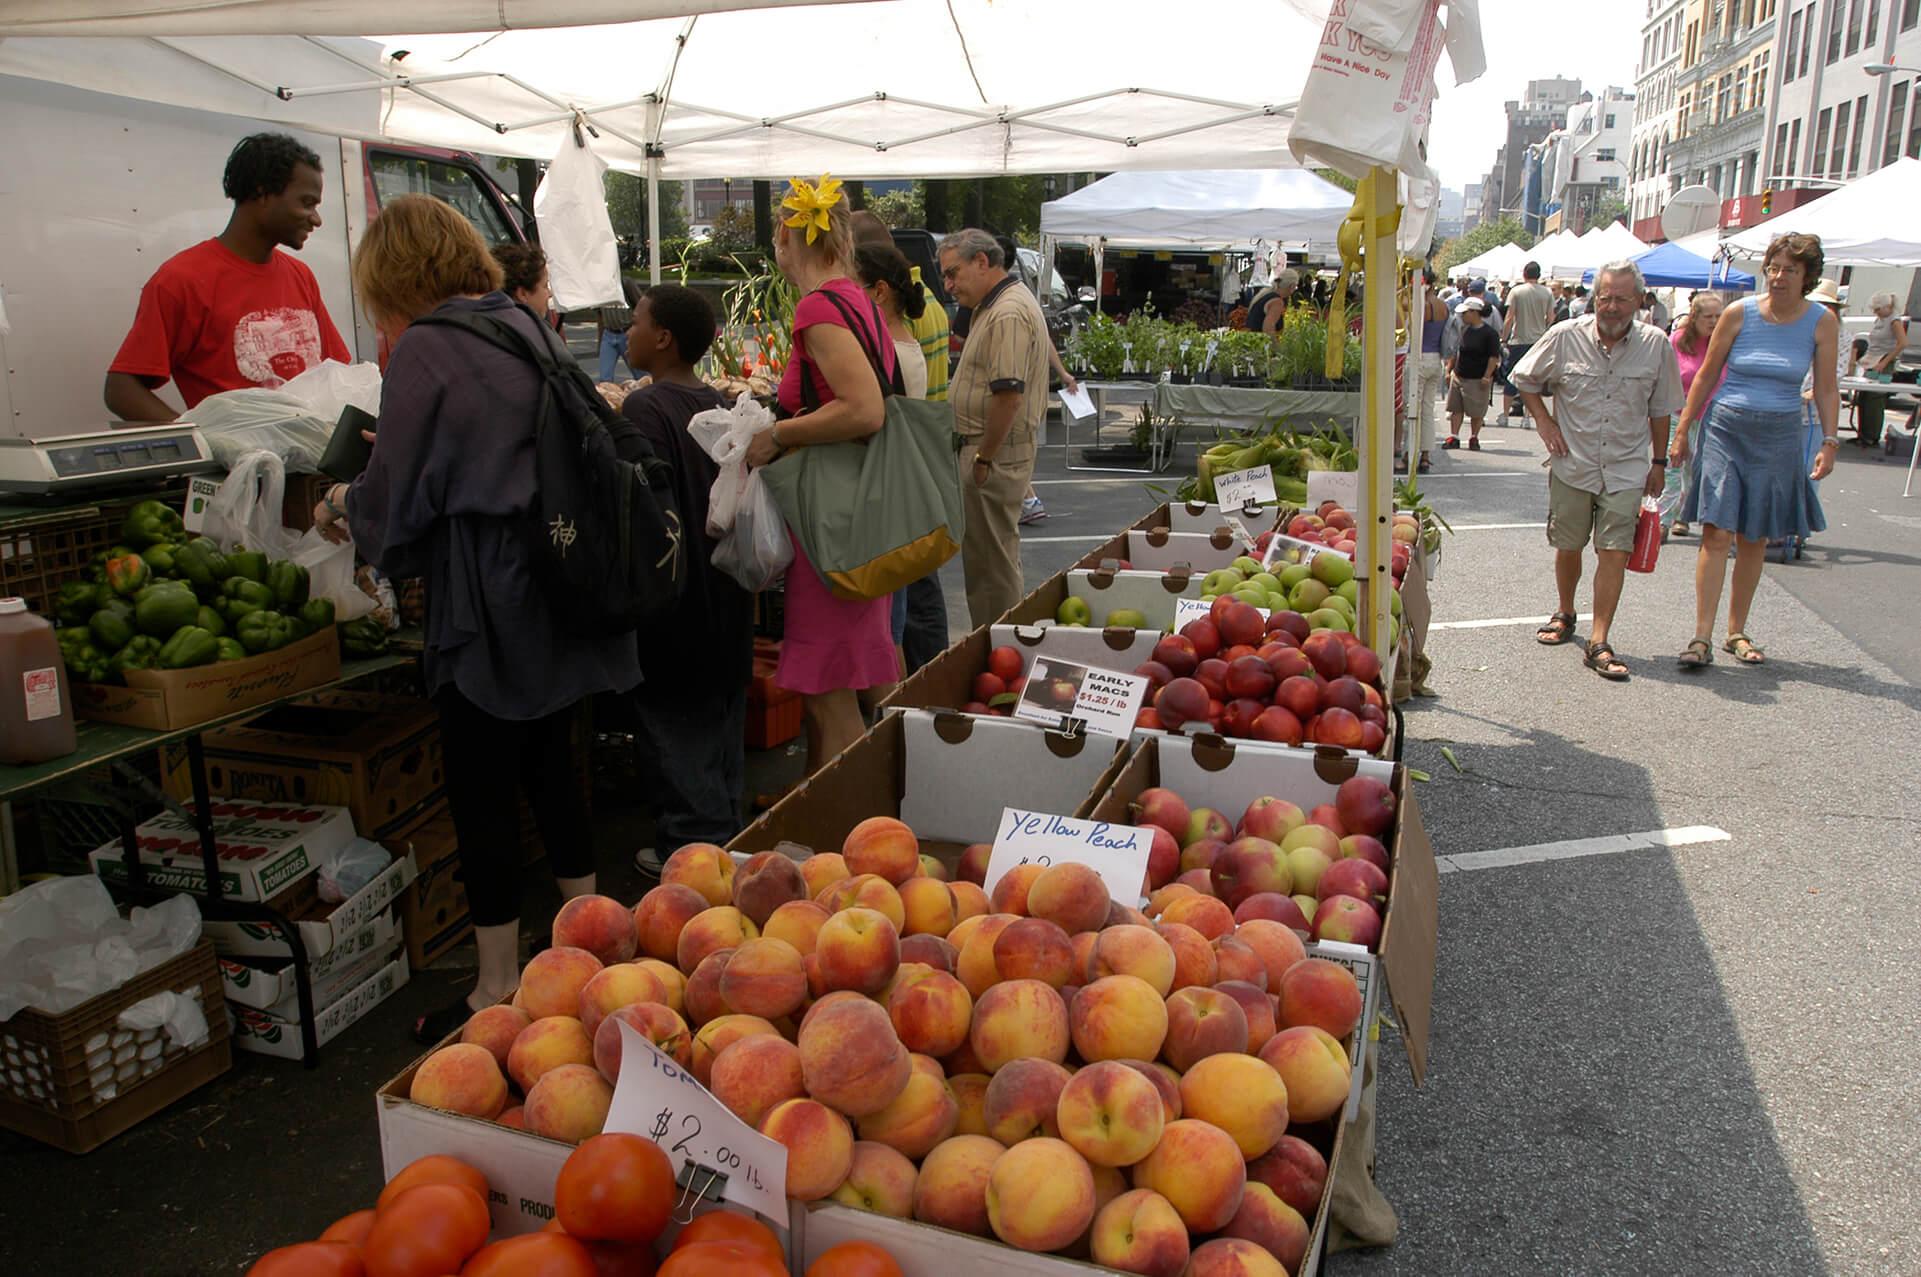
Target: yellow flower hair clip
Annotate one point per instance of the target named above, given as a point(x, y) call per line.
point(811, 203)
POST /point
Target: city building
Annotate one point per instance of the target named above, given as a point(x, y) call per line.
point(1584, 166)
point(1831, 120)
point(1491, 187)
point(1723, 89)
point(1651, 178)
point(1529, 121)
point(1448, 214)
point(1470, 207)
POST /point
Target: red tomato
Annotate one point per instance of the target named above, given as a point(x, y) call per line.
point(854, 1259)
point(722, 1259)
point(623, 1259)
point(534, 1255)
point(617, 1188)
point(427, 1231)
point(435, 1169)
point(352, 1229)
point(309, 1259)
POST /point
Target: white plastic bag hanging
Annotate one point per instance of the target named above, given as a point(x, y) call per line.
point(754, 546)
point(246, 512)
point(757, 549)
point(583, 259)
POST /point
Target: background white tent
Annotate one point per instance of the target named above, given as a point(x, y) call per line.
point(1504, 261)
point(333, 17)
point(1224, 208)
point(1868, 222)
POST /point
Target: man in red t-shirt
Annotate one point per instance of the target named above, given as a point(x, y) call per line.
point(233, 312)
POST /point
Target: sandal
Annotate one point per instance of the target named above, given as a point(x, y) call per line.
point(1745, 649)
point(1425, 464)
point(1600, 658)
point(1698, 655)
point(1558, 630)
point(1474, 445)
point(1678, 530)
point(1451, 442)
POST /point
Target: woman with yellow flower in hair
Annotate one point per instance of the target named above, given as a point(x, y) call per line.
point(832, 649)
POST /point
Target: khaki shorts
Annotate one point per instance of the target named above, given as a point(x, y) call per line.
point(1608, 517)
point(1470, 397)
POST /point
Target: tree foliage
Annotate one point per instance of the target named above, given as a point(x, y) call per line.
point(1611, 209)
point(902, 208)
point(627, 206)
point(1483, 237)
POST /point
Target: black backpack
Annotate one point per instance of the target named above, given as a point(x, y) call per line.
point(604, 534)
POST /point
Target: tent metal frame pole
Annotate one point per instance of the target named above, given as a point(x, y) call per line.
point(656, 110)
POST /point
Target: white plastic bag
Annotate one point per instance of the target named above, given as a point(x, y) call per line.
point(757, 549)
point(724, 434)
point(62, 942)
point(583, 259)
point(181, 1017)
point(246, 512)
point(330, 386)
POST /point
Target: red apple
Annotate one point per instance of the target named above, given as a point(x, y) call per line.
point(1271, 818)
point(1324, 651)
point(1299, 695)
point(1163, 860)
point(988, 685)
point(1242, 623)
point(1162, 808)
point(1345, 693)
point(1202, 633)
point(1339, 727)
point(1156, 674)
point(1290, 662)
point(1365, 847)
point(1278, 725)
point(1206, 824)
point(1373, 737)
point(1275, 907)
point(1238, 651)
point(1327, 816)
point(1148, 721)
point(1293, 622)
point(975, 707)
point(1366, 804)
point(1363, 664)
point(1007, 663)
point(1212, 674)
point(1184, 700)
point(1249, 676)
point(1241, 714)
point(1063, 691)
point(1351, 876)
point(1347, 919)
point(1177, 653)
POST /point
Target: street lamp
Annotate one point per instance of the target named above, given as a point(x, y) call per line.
point(1889, 68)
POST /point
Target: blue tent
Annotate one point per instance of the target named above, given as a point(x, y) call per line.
point(1671, 266)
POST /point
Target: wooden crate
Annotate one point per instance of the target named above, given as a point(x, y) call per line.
point(41, 552)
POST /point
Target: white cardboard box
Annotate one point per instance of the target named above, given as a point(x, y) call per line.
point(322, 933)
point(1119, 649)
point(263, 848)
point(1201, 552)
point(267, 1034)
point(1202, 516)
point(265, 987)
point(1152, 594)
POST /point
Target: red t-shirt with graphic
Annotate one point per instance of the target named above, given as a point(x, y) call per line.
point(210, 320)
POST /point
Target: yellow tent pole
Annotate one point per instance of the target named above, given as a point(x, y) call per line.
point(1374, 540)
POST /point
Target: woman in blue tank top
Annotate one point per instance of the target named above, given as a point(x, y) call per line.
point(1749, 482)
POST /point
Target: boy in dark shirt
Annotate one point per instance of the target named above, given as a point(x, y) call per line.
point(692, 701)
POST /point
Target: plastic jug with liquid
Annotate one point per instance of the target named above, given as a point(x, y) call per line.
point(36, 706)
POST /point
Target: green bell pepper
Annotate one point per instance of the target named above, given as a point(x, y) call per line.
point(229, 649)
point(210, 621)
point(363, 638)
point(161, 609)
point(150, 522)
point(243, 589)
point(126, 574)
point(77, 601)
point(190, 646)
point(232, 610)
point(85, 662)
point(97, 570)
point(139, 654)
point(251, 564)
point(201, 562)
point(112, 626)
point(264, 631)
point(289, 584)
point(316, 614)
point(161, 558)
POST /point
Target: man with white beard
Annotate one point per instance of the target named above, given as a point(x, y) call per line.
point(1615, 384)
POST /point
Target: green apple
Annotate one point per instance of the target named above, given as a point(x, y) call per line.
point(1394, 603)
point(1276, 601)
point(1074, 612)
point(1328, 618)
point(1293, 574)
point(1220, 581)
point(1266, 580)
point(1253, 594)
point(1126, 618)
point(1332, 570)
point(1246, 566)
point(1350, 591)
point(1307, 596)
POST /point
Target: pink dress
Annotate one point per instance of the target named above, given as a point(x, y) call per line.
point(830, 643)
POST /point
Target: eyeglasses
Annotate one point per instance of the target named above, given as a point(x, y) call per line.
point(949, 274)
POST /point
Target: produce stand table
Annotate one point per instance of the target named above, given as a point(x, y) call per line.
point(1160, 445)
point(109, 745)
point(1239, 407)
point(1893, 390)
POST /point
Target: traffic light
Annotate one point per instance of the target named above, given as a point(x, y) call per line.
point(1767, 200)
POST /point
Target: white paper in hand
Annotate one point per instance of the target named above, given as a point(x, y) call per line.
point(1078, 403)
point(657, 1098)
point(1118, 853)
point(1237, 488)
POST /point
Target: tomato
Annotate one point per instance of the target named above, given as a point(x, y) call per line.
point(427, 1231)
point(534, 1255)
point(309, 1259)
point(722, 1259)
point(728, 1226)
point(616, 1188)
point(352, 1229)
point(434, 1169)
point(623, 1259)
point(854, 1259)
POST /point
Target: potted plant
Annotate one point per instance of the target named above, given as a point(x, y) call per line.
point(1098, 349)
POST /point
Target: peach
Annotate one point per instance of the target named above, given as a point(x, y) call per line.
point(1256, 1007)
point(976, 967)
point(612, 988)
point(1167, 1084)
point(820, 1147)
point(1133, 950)
point(710, 931)
point(969, 900)
point(1202, 1022)
point(1194, 962)
point(970, 1095)
point(1271, 1224)
point(1010, 893)
point(767, 978)
point(879, 1180)
point(673, 984)
point(952, 1189)
point(704, 867)
point(1040, 1195)
point(754, 1074)
point(1140, 1232)
point(1232, 1257)
point(495, 1028)
point(1295, 1170)
point(1109, 1183)
point(932, 1015)
point(1315, 1068)
point(858, 949)
point(551, 982)
point(514, 1117)
point(884, 846)
point(1118, 1017)
point(461, 1078)
point(1277, 944)
point(931, 867)
point(821, 871)
point(1022, 1099)
point(906, 975)
point(1211, 917)
point(921, 1116)
point(720, 1033)
point(1236, 960)
point(569, 1104)
point(1019, 1019)
point(1241, 1095)
point(798, 922)
point(972, 865)
point(928, 907)
point(1320, 993)
point(963, 932)
point(828, 1000)
point(1034, 949)
point(662, 913)
point(869, 891)
point(547, 1044)
point(652, 1021)
point(1271, 906)
point(767, 881)
point(1084, 943)
point(930, 951)
point(1197, 1167)
point(1164, 896)
point(1110, 1113)
point(601, 925)
point(851, 1057)
point(963, 1060)
point(1070, 895)
point(702, 997)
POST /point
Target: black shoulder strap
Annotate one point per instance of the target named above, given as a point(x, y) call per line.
point(500, 334)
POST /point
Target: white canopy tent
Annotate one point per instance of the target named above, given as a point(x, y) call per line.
point(335, 17)
point(1503, 261)
point(1868, 222)
point(1225, 208)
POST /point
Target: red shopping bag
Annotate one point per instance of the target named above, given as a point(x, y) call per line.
point(1647, 537)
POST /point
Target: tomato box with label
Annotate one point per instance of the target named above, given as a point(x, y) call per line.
point(262, 848)
point(265, 1033)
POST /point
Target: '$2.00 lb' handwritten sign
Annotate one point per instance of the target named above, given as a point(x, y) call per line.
point(1118, 853)
point(659, 1099)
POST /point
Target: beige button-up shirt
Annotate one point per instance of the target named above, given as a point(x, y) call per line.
point(1006, 350)
point(1603, 399)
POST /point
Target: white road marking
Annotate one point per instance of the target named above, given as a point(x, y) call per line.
point(1104, 536)
point(1476, 474)
point(1494, 527)
point(1492, 622)
point(1088, 483)
point(1569, 849)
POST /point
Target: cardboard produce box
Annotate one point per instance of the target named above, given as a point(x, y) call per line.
point(947, 681)
point(265, 1033)
point(948, 776)
point(262, 848)
point(265, 983)
point(167, 700)
point(1205, 516)
point(1158, 550)
point(323, 927)
point(377, 755)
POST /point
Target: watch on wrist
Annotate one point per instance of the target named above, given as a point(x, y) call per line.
point(1662, 462)
point(981, 460)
